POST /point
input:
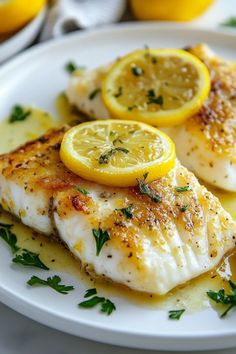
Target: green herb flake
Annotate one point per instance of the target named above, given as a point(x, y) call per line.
point(90, 292)
point(146, 190)
point(101, 237)
point(94, 301)
point(94, 93)
point(154, 60)
point(106, 305)
point(183, 208)
point(136, 71)
point(119, 92)
point(230, 22)
point(9, 237)
point(127, 212)
point(104, 158)
point(82, 190)
point(30, 259)
point(18, 114)
point(130, 108)
point(182, 189)
point(112, 134)
point(225, 299)
point(175, 314)
point(52, 282)
point(71, 66)
point(152, 98)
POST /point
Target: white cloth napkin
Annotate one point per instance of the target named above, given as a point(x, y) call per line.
point(68, 15)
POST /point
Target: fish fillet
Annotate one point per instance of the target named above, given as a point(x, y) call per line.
point(205, 143)
point(162, 245)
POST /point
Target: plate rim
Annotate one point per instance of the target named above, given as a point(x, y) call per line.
point(11, 298)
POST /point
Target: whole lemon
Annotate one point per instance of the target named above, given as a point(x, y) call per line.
point(16, 13)
point(175, 10)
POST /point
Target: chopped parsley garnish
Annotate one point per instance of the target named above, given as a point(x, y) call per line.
point(104, 158)
point(94, 93)
point(154, 60)
point(101, 236)
point(90, 292)
point(175, 314)
point(9, 237)
point(127, 212)
point(112, 134)
point(30, 259)
point(152, 98)
point(18, 114)
point(182, 189)
point(106, 305)
point(130, 108)
point(183, 208)
point(82, 190)
point(136, 71)
point(52, 282)
point(92, 302)
point(226, 299)
point(119, 92)
point(71, 66)
point(231, 22)
point(23, 256)
point(146, 190)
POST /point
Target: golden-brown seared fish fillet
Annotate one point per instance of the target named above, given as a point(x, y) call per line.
point(206, 143)
point(161, 245)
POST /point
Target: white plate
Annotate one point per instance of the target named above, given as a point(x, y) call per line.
point(36, 77)
point(22, 38)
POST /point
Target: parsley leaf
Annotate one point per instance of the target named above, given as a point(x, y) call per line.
point(108, 307)
point(30, 259)
point(82, 190)
point(175, 314)
point(119, 92)
point(90, 292)
point(231, 22)
point(71, 66)
point(225, 299)
point(183, 208)
point(52, 282)
point(9, 237)
point(94, 301)
point(127, 212)
point(94, 93)
point(18, 114)
point(146, 190)
point(154, 60)
point(152, 98)
point(136, 71)
point(104, 158)
point(182, 189)
point(100, 237)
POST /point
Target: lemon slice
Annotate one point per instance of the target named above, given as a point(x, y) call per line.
point(117, 152)
point(162, 87)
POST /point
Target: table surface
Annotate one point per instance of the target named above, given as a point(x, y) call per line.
point(20, 335)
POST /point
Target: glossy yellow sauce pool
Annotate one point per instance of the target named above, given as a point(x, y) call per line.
point(191, 296)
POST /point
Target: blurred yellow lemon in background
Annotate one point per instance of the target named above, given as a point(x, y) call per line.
point(175, 10)
point(16, 13)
